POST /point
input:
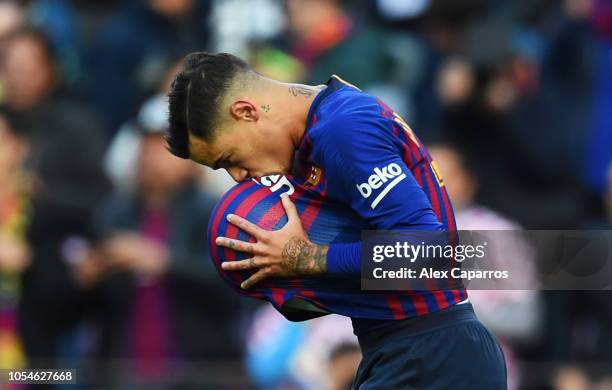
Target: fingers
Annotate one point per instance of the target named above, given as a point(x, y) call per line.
point(240, 265)
point(248, 264)
point(290, 208)
point(254, 279)
point(245, 225)
point(237, 245)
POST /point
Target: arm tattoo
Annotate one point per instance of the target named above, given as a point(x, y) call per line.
point(297, 91)
point(301, 257)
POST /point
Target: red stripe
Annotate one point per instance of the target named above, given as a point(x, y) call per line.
point(456, 297)
point(436, 206)
point(418, 300)
point(433, 196)
point(418, 177)
point(308, 216)
point(420, 304)
point(245, 207)
point(232, 231)
point(441, 299)
point(223, 207)
point(272, 216)
point(409, 153)
point(310, 213)
point(277, 296)
point(416, 151)
point(453, 237)
point(396, 306)
point(309, 294)
point(269, 220)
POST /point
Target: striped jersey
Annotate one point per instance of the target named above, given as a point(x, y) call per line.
point(359, 166)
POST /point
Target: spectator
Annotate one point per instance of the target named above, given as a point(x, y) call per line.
point(325, 36)
point(68, 181)
point(120, 162)
point(571, 378)
point(133, 50)
point(496, 308)
point(11, 18)
point(522, 88)
point(283, 354)
point(14, 250)
point(152, 273)
point(343, 363)
point(58, 20)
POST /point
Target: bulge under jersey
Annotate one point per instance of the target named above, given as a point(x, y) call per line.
point(325, 222)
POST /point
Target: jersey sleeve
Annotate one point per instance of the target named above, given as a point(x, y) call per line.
point(370, 175)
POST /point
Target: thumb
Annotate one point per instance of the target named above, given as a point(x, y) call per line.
point(289, 207)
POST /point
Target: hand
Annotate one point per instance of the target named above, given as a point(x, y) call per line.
point(285, 252)
point(14, 254)
point(135, 252)
point(91, 269)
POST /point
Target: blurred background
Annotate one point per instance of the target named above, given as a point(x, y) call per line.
point(103, 262)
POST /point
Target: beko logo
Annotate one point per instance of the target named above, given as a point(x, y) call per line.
point(392, 173)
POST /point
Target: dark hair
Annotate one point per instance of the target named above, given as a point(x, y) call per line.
point(195, 95)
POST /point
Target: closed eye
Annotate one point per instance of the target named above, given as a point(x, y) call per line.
point(221, 162)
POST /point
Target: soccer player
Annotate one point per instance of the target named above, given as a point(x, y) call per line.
point(352, 151)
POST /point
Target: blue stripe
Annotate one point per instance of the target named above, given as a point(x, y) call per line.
point(408, 305)
point(449, 296)
point(432, 304)
point(224, 225)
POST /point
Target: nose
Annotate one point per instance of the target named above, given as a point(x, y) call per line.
point(238, 174)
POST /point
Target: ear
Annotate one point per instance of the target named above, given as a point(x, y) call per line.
point(244, 110)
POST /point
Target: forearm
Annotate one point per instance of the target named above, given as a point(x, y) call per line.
point(306, 258)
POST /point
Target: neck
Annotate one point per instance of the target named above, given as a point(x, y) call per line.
point(293, 102)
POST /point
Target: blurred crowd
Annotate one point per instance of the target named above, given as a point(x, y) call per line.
point(103, 259)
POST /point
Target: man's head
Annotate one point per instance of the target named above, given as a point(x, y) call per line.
point(171, 8)
point(158, 171)
point(306, 18)
point(457, 172)
point(225, 115)
point(28, 69)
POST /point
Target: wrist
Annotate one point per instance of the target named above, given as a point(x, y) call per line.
point(320, 258)
point(302, 257)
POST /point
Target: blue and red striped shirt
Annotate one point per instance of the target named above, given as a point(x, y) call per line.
point(360, 166)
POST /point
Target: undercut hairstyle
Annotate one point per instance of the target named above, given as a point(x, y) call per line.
point(196, 95)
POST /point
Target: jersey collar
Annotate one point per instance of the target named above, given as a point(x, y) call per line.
point(332, 85)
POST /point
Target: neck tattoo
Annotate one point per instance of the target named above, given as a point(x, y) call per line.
point(300, 91)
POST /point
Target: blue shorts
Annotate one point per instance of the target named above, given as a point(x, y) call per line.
point(450, 349)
